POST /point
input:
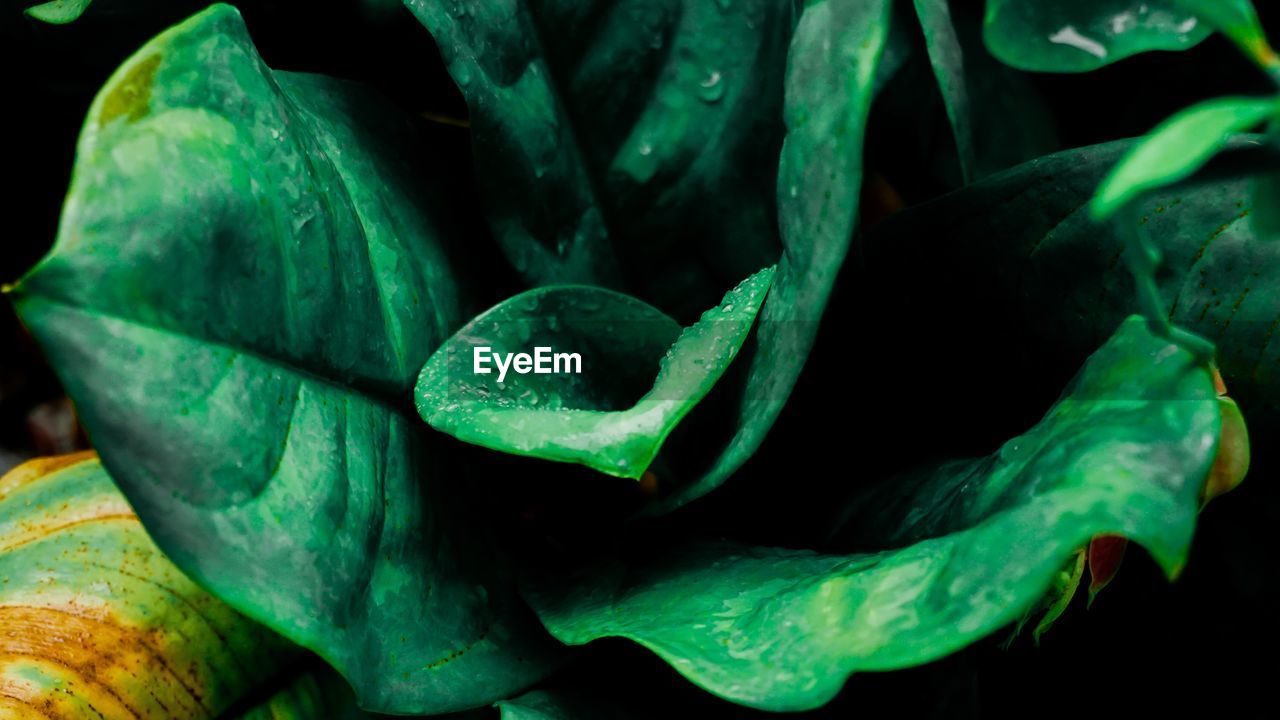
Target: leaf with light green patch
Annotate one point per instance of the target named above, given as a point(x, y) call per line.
point(585, 412)
point(1178, 147)
point(971, 545)
point(247, 277)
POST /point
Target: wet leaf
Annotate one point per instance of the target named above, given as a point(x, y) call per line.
point(97, 622)
point(971, 546)
point(1178, 147)
point(617, 141)
point(246, 280)
point(1087, 34)
point(582, 412)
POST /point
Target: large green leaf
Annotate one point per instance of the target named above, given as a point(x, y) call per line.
point(1017, 266)
point(1178, 147)
point(831, 69)
point(246, 280)
point(1127, 451)
point(586, 413)
point(97, 622)
point(1087, 34)
point(634, 131)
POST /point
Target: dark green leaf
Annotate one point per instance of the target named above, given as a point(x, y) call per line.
point(245, 283)
point(1018, 267)
point(831, 69)
point(996, 118)
point(1126, 450)
point(638, 131)
point(583, 413)
point(1083, 35)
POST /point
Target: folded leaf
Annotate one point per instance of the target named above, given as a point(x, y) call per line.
point(1178, 147)
point(582, 413)
point(831, 69)
point(1126, 450)
point(97, 622)
point(1087, 34)
point(247, 278)
point(620, 141)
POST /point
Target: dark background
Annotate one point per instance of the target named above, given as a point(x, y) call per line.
point(1203, 645)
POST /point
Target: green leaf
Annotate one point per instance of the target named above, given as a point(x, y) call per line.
point(831, 69)
point(1085, 35)
point(97, 622)
point(59, 12)
point(1126, 450)
point(586, 418)
point(996, 117)
point(246, 280)
point(1238, 20)
point(617, 141)
point(1178, 147)
point(1019, 268)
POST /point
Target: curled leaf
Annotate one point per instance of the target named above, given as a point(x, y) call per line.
point(597, 345)
point(973, 545)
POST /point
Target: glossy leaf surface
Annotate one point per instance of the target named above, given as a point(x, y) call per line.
point(96, 622)
point(1178, 147)
point(1087, 34)
point(245, 283)
point(582, 413)
point(1126, 450)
